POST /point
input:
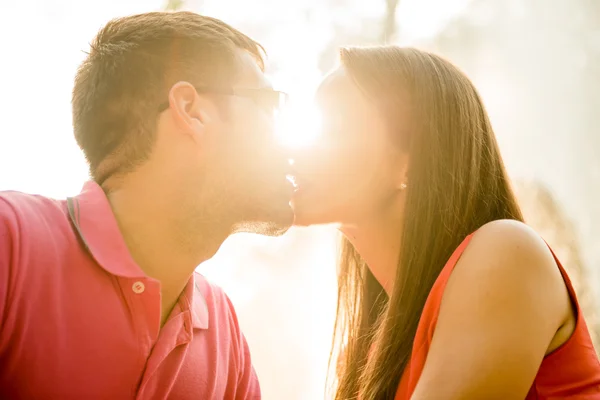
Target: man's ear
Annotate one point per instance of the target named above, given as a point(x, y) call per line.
point(190, 111)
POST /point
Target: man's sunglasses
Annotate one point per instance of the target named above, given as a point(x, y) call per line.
point(268, 99)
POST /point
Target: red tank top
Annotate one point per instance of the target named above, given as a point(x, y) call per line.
point(570, 372)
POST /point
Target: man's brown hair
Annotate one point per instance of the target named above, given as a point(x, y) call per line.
point(131, 66)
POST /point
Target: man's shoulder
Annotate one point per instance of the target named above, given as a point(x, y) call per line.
point(209, 290)
point(215, 297)
point(31, 220)
point(16, 205)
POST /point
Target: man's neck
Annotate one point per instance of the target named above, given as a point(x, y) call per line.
point(166, 244)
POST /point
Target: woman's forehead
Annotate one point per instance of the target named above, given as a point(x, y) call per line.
point(333, 81)
point(338, 87)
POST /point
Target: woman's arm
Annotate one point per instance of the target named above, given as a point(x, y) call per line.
point(502, 306)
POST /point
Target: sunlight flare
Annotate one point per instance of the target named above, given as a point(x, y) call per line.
point(299, 125)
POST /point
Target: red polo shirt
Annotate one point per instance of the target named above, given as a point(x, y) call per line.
point(80, 320)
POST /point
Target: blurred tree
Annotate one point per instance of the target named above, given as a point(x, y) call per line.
point(174, 5)
point(361, 31)
point(196, 6)
point(389, 23)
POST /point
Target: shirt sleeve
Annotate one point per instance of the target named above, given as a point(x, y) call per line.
point(7, 224)
point(248, 387)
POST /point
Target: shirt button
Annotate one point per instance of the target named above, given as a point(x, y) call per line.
point(138, 287)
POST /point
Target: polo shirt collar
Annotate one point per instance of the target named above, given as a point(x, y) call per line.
point(97, 226)
point(95, 222)
point(198, 304)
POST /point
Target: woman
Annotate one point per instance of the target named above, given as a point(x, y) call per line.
point(443, 292)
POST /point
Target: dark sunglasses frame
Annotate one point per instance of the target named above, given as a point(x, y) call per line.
point(267, 98)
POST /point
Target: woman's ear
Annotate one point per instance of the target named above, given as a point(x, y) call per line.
point(402, 171)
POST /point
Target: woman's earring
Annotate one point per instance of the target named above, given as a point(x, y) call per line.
point(403, 186)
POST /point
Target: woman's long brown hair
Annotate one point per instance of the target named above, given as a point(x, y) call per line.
point(456, 183)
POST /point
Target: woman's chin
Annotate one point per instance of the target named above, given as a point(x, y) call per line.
point(300, 223)
point(310, 210)
point(303, 218)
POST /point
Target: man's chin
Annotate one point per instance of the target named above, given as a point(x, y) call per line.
point(269, 228)
point(276, 230)
point(275, 224)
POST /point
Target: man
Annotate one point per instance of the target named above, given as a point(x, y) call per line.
point(98, 296)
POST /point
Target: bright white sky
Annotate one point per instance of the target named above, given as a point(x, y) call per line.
point(42, 43)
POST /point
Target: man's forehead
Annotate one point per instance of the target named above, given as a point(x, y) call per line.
point(250, 74)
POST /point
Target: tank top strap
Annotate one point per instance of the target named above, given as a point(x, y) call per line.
point(567, 280)
point(434, 299)
point(451, 263)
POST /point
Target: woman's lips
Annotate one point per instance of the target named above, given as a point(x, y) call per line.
point(292, 180)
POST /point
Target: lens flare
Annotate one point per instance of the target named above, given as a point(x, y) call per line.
point(299, 124)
